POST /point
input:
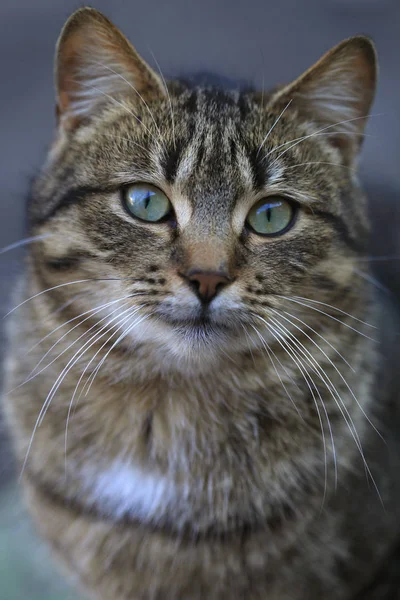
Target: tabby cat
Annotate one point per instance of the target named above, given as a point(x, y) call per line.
point(201, 385)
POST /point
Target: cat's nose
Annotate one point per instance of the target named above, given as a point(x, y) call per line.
point(207, 284)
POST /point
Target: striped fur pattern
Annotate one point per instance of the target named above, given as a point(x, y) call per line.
point(172, 450)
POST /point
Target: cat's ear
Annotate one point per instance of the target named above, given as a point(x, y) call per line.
point(336, 93)
point(96, 64)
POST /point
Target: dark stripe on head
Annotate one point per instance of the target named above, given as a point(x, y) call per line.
point(258, 169)
point(232, 144)
point(218, 98)
point(200, 152)
point(69, 261)
point(171, 160)
point(73, 196)
point(341, 229)
point(191, 103)
point(244, 105)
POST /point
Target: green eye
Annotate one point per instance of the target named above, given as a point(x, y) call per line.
point(271, 216)
point(147, 202)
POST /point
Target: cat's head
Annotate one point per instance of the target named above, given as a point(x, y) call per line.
point(191, 213)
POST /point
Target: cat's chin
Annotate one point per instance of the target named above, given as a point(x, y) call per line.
point(201, 329)
point(198, 341)
point(184, 343)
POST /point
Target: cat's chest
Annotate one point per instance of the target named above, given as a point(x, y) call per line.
point(122, 489)
point(199, 457)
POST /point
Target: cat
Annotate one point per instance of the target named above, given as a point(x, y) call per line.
point(202, 383)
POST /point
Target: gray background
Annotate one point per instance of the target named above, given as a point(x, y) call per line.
point(262, 41)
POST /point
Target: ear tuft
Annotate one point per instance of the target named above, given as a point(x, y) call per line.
point(337, 93)
point(95, 64)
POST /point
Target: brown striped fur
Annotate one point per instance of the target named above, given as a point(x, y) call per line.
point(201, 461)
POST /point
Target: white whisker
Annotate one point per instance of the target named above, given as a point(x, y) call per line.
point(368, 277)
point(328, 315)
point(168, 95)
point(136, 91)
point(124, 139)
point(296, 142)
point(121, 104)
point(333, 365)
point(90, 312)
point(32, 375)
point(270, 352)
point(338, 310)
point(335, 395)
point(71, 363)
point(122, 336)
point(55, 287)
point(320, 162)
point(306, 376)
point(120, 324)
point(320, 336)
point(272, 127)
point(25, 242)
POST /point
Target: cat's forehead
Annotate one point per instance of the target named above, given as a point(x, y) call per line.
point(211, 157)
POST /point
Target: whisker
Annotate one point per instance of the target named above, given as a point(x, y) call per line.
point(121, 104)
point(135, 90)
point(320, 162)
point(269, 352)
point(338, 310)
point(32, 375)
point(168, 95)
point(334, 366)
point(120, 324)
point(306, 376)
point(78, 354)
point(122, 336)
point(342, 407)
point(94, 310)
point(55, 287)
point(88, 344)
point(25, 242)
point(322, 130)
point(337, 398)
point(330, 316)
point(124, 139)
point(102, 279)
point(368, 277)
point(272, 127)
point(319, 335)
point(304, 137)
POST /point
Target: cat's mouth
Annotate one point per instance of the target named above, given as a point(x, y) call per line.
point(201, 325)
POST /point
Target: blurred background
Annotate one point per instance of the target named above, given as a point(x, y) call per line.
point(262, 42)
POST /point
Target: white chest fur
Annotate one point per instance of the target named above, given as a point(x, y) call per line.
point(123, 489)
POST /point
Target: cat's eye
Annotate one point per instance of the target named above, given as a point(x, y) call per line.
point(147, 202)
point(271, 216)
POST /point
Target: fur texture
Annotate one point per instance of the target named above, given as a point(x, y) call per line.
point(172, 449)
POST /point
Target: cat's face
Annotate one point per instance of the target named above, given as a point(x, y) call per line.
point(191, 215)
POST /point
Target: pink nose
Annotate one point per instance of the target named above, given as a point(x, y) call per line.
point(207, 285)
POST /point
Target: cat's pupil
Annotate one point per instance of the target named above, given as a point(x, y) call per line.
point(268, 215)
point(147, 200)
